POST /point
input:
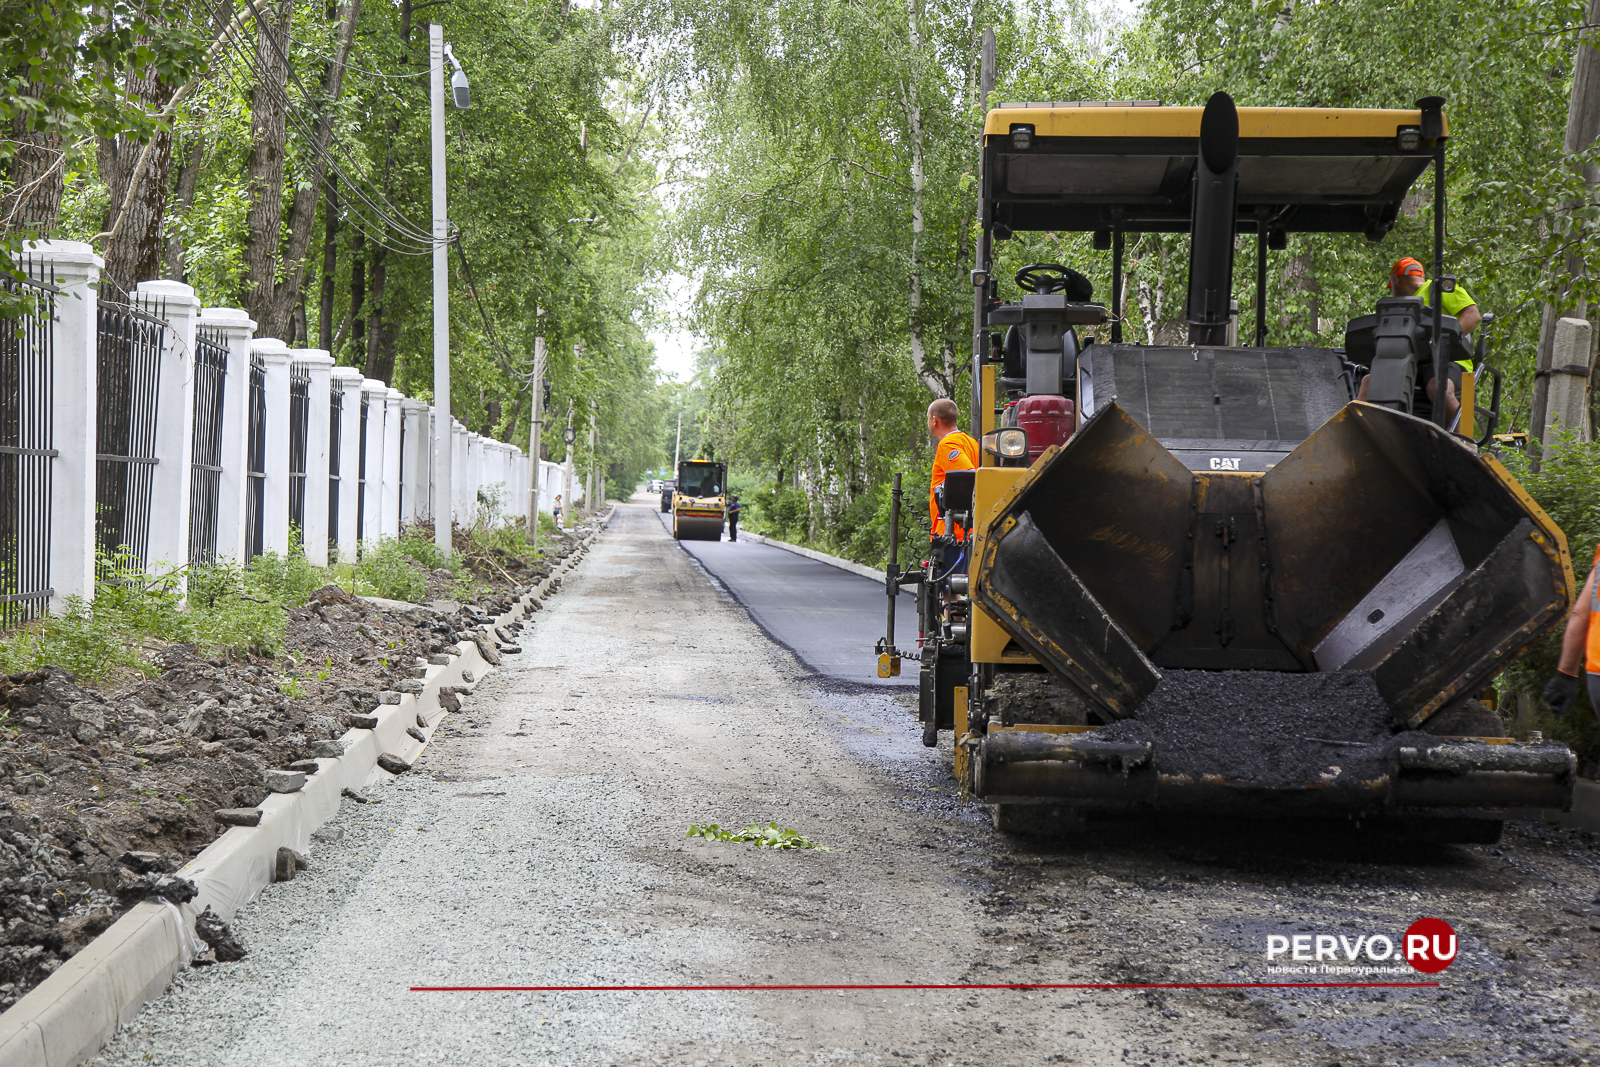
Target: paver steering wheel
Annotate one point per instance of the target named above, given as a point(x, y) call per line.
point(1055, 278)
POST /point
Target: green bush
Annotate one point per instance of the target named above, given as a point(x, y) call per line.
point(416, 543)
point(233, 608)
point(388, 569)
point(289, 579)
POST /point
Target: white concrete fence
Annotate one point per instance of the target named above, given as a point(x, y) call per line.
point(250, 440)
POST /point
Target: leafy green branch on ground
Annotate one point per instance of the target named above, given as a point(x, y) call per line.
point(768, 836)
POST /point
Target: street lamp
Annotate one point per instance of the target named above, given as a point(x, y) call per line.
point(458, 81)
point(443, 481)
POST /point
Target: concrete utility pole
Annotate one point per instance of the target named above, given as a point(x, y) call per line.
point(677, 446)
point(442, 487)
point(593, 484)
point(535, 432)
point(1583, 127)
point(567, 438)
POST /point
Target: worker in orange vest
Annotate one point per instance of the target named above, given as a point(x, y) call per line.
point(952, 451)
point(1580, 645)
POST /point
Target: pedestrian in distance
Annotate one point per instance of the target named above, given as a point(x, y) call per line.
point(733, 518)
point(555, 510)
point(1580, 646)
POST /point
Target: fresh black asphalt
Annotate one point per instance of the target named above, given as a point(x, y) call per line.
point(828, 617)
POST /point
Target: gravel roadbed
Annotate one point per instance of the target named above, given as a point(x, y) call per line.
point(540, 840)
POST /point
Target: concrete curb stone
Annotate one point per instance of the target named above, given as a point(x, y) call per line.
point(71, 1015)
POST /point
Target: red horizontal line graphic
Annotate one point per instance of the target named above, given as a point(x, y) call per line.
point(911, 985)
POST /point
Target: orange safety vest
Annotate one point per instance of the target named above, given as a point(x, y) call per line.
point(1593, 653)
point(955, 451)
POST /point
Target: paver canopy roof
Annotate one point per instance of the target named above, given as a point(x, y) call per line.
point(1095, 166)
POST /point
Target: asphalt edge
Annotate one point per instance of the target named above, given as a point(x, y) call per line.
point(821, 557)
point(73, 1013)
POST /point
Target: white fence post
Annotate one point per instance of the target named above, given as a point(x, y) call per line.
point(174, 436)
point(237, 330)
point(376, 394)
point(345, 384)
point(474, 474)
point(318, 366)
point(390, 526)
point(414, 469)
point(74, 269)
point(274, 355)
point(461, 512)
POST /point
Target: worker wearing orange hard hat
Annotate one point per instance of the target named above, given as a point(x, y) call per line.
point(1407, 278)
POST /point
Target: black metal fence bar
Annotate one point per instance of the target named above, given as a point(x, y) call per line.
point(27, 388)
point(205, 477)
point(400, 495)
point(335, 423)
point(361, 475)
point(128, 350)
point(299, 425)
point(256, 468)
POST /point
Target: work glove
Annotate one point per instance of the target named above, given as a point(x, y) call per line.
point(1559, 692)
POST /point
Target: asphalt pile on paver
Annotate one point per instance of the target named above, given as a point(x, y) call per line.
point(116, 787)
point(1268, 727)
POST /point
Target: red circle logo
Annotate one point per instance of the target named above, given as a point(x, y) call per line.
point(1430, 945)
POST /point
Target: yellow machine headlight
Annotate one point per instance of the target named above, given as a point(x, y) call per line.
point(1008, 443)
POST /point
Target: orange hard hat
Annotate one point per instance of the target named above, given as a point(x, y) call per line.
point(1404, 267)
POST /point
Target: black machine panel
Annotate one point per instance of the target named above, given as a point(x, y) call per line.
point(1221, 409)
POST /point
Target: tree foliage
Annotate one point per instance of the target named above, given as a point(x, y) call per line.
point(834, 298)
point(292, 179)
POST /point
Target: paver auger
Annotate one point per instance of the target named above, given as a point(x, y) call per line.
point(1203, 577)
point(700, 500)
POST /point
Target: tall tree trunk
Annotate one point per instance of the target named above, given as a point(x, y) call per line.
point(182, 203)
point(264, 170)
point(303, 207)
point(1300, 274)
point(1583, 126)
point(358, 298)
point(382, 332)
point(330, 265)
point(36, 178)
point(138, 199)
point(937, 384)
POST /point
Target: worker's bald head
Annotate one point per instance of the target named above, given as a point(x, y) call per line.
point(944, 412)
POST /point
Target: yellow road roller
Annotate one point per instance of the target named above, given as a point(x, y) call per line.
point(1211, 580)
point(700, 501)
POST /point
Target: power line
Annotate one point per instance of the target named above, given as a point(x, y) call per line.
point(386, 210)
point(381, 223)
point(488, 328)
point(360, 215)
point(384, 215)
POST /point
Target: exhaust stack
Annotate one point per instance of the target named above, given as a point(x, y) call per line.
point(1211, 227)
